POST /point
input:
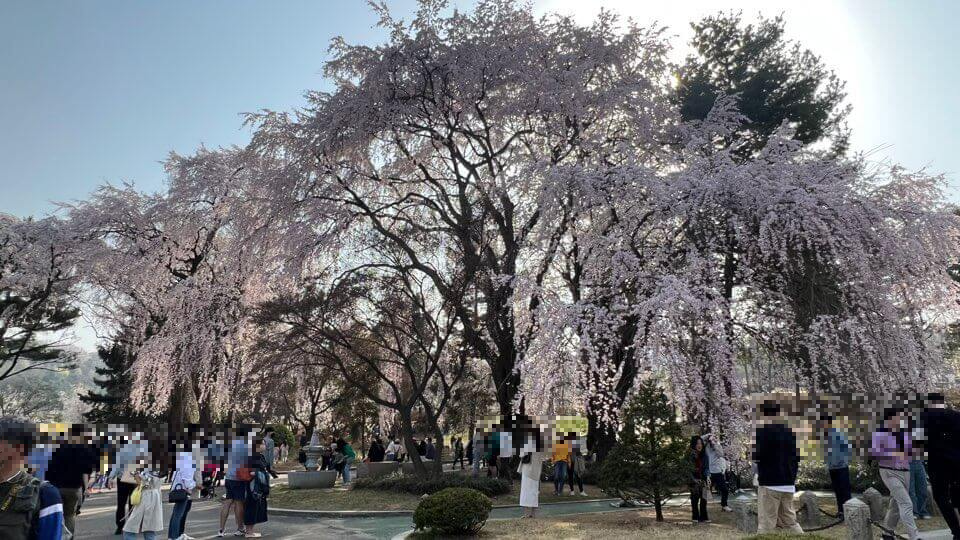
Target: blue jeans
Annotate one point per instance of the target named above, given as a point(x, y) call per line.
point(147, 535)
point(346, 470)
point(178, 519)
point(559, 476)
point(918, 488)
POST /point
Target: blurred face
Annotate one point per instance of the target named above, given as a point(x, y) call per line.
point(11, 458)
point(699, 445)
point(893, 423)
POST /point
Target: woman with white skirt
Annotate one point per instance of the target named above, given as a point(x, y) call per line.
point(531, 465)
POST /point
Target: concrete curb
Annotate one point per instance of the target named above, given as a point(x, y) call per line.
point(339, 513)
point(393, 513)
point(558, 503)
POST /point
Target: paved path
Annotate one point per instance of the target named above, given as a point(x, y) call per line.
point(96, 520)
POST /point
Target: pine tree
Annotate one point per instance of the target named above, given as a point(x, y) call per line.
point(648, 462)
point(110, 403)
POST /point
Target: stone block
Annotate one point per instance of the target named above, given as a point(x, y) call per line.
point(874, 500)
point(376, 469)
point(808, 511)
point(311, 479)
point(857, 519)
point(745, 514)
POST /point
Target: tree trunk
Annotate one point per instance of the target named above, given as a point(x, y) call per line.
point(600, 437)
point(406, 426)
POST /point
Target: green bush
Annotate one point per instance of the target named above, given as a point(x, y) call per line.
point(282, 433)
point(813, 474)
point(453, 511)
point(399, 483)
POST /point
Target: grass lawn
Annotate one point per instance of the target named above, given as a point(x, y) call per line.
point(367, 499)
point(641, 524)
point(340, 499)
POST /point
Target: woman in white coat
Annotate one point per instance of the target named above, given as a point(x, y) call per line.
point(531, 465)
point(146, 517)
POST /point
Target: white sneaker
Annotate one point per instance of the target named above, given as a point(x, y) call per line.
point(727, 509)
point(571, 492)
point(220, 534)
point(583, 494)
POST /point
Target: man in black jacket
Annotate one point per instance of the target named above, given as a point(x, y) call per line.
point(941, 432)
point(775, 453)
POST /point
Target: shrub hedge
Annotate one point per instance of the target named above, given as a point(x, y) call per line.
point(813, 474)
point(453, 511)
point(399, 483)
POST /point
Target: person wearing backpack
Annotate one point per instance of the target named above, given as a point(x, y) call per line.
point(30, 509)
point(69, 470)
point(258, 489)
point(146, 515)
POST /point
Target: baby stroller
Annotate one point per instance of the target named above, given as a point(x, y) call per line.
point(208, 489)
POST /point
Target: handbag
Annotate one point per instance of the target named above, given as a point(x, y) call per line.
point(244, 474)
point(178, 494)
point(135, 497)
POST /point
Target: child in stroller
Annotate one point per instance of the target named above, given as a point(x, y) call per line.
point(208, 475)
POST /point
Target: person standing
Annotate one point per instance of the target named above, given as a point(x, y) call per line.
point(838, 453)
point(147, 516)
point(237, 477)
point(506, 454)
point(422, 448)
point(941, 430)
point(578, 465)
point(69, 470)
point(377, 453)
point(431, 452)
point(458, 453)
point(531, 464)
point(918, 489)
point(392, 451)
point(349, 456)
point(258, 489)
point(184, 481)
point(129, 451)
point(699, 471)
point(270, 451)
point(561, 461)
point(776, 459)
point(891, 447)
point(717, 470)
point(469, 452)
point(491, 451)
point(40, 517)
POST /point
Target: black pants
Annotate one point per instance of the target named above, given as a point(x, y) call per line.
point(571, 474)
point(698, 504)
point(840, 480)
point(720, 481)
point(123, 500)
point(503, 469)
point(945, 483)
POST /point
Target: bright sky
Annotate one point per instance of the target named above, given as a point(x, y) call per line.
point(101, 91)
